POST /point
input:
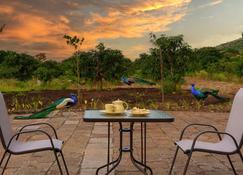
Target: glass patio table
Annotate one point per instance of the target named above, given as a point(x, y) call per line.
point(127, 117)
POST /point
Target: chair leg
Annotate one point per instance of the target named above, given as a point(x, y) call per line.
point(241, 156)
point(58, 163)
point(5, 163)
point(66, 168)
point(187, 163)
point(173, 162)
point(231, 164)
point(4, 154)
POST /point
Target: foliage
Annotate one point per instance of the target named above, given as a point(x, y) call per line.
point(144, 64)
point(99, 64)
point(176, 55)
point(19, 66)
point(73, 41)
point(109, 64)
point(48, 70)
point(235, 45)
point(104, 66)
point(204, 58)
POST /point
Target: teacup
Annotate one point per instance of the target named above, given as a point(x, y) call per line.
point(109, 108)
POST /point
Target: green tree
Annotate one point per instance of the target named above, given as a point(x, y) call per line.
point(98, 64)
point(174, 54)
point(48, 70)
point(109, 64)
point(19, 66)
point(206, 56)
point(147, 65)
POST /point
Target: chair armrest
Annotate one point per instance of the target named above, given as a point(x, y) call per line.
point(30, 131)
point(213, 132)
point(196, 124)
point(43, 123)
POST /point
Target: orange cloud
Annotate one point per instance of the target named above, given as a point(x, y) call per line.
point(32, 27)
point(134, 22)
point(6, 10)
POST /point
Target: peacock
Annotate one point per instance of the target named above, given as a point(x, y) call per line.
point(127, 81)
point(130, 81)
point(60, 103)
point(202, 94)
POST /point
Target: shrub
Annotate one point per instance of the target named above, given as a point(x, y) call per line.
point(202, 74)
point(169, 86)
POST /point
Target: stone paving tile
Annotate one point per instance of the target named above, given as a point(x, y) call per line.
point(70, 128)
point(96, 151)
point(160, 147)
point(85, 147)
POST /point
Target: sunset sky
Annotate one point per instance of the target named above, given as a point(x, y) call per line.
point(38, 26)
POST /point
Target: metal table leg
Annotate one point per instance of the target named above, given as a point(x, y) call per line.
point(141, 165)
point(116, 162)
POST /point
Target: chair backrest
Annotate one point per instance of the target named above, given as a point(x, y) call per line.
point(235, 122)
point(5, 126)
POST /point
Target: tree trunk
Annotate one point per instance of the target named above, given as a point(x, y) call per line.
point(78, 81)
point(101, 83)
point(171, 66)
point(161, 76)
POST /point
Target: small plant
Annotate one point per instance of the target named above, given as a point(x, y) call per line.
point(202, 74)
point(139, 100)
point(199, 105)
point(184, 104)
point(22, 105)
point(152, 104)
point(95, 104)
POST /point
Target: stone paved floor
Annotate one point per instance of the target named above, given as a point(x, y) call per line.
point(85, 147)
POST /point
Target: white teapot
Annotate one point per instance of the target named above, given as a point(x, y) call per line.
point(119, 105)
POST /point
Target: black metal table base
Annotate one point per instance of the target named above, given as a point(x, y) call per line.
point(141, 165)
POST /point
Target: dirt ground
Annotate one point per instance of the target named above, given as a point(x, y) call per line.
point(134, 95)
point(225, 88)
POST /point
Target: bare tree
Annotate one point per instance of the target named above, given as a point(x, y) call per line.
point(76, 43)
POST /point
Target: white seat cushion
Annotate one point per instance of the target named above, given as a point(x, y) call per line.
point(224, 146)
point(30, 146)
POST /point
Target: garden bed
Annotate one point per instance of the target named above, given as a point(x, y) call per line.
point(26, 102)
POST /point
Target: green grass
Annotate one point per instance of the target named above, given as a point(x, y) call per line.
point(12, 85)
point(61, 83)
point(218, 76)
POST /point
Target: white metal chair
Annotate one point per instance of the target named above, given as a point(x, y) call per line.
point(229, 144)
point(12, 144)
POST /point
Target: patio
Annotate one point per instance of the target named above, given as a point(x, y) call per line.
point(85, 147)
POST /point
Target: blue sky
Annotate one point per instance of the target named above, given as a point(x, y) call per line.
point(211, 25)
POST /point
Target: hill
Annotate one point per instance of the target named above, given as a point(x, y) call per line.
point(235, 44)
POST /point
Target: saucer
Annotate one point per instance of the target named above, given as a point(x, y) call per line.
point(111, 113)
point(139, 113)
